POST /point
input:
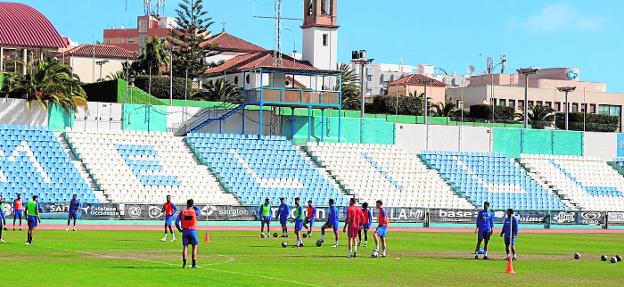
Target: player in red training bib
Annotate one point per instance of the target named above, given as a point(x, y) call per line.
point(169, 209)
point(353, 222)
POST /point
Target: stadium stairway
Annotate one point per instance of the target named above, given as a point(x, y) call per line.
point(99, 194)
point(142, 167)
point(271, 168)
point(495, 178)
point(588, 183)
point(386, 172)
point(33, 162)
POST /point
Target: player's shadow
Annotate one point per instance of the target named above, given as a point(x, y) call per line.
point(143, 267)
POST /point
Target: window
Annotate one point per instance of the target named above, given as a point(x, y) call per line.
point(530, 104)
point(540, 103)
point(310, 7)
point(512, 103)
point(575, 107)
point(502, 102)
point(324, 9)
point(611, 110)
point(236, 80)
point(521, 104)
point(592, 108)
point(247, 79)
point(325, 40)
point(583, 108)
point(548, 104)
point(557, 106)
point(493, 101)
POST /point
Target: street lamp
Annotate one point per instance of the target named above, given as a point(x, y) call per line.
point(294, 43)
point(426, 99)
point(526, 72)
point(566, 90)
point(360, 57)
point(101, 63)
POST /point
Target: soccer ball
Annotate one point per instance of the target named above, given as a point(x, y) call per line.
point(375, 254)
point(614, 260)
point(305, 235)
point(284, 244)
point(275, 234)
point(618, 257)
point(604, 257)
point(319, 243)
point(577, 256)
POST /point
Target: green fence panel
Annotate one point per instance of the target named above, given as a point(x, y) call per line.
point(567, 143)
point(354, 130)
point(144, 118)
point(537, 142)
point(135, 95)
point(59, 119)
point(507, 141)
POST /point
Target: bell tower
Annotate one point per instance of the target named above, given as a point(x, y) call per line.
point(320, 33)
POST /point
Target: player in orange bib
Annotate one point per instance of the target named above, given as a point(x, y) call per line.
point(169, 209)
point(187, 224)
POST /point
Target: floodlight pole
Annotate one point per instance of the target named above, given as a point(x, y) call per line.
point(566, 90)
point(526, 72)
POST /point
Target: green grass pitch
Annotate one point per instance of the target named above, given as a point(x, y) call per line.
point(239, 258)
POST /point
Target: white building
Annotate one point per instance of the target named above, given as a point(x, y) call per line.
point(94, 62)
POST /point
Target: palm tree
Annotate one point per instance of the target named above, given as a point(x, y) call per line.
point(155, 55)
point(350, 88)
point(539, 116)
point(219, 90)
point(445, 109)
point(45, 82)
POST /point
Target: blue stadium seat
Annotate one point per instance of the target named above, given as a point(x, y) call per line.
point(495, 178)
point(272, 167)
point(33, 162)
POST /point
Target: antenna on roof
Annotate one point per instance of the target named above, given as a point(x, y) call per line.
point(277, 55)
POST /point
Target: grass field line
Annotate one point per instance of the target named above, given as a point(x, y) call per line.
point(229, 259)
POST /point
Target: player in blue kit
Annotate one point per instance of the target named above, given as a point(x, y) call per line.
point(188, 219)
point(510, 224)
point(74, 205)
point(2, 222)
point(332, 222)
point(484, 229)
point(282, 213)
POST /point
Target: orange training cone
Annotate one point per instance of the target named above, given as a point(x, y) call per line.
point(207, 237)
point(510, 268)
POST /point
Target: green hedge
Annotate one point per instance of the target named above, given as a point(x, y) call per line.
point(160, 86)
point(502, 114)
point(588, 122)
point(412, 106)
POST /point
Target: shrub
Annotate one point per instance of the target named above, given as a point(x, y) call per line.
point(160, 86)
point(503, 114)
point(592, 122)
point(412, 106)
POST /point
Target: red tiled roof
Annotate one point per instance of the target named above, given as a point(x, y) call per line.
point(417, 80)
point(257, 60)
point(101, 51)
point(23, 26)
point(226, 42)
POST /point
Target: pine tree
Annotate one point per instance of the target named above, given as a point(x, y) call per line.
point(189, 39)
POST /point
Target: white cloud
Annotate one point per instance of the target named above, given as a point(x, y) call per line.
point(562, 17)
